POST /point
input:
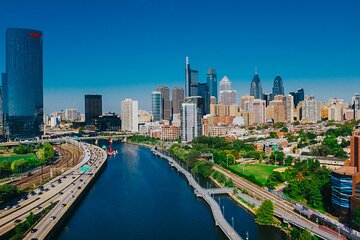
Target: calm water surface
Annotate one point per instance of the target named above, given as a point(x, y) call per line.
point(139, 196)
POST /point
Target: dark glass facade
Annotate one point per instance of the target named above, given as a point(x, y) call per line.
point(211, 79)
point(108, 122)
point(93, 107)
point(191, 80)
point(341, 191)
point(256, 87)
point(23, 84)
point(203, 91)
point(298, 96)
point(278, 87)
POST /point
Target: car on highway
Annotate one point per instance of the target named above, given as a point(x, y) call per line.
point(79, 187)
point(40, 193)
point(7, 208)
point(73, 177)
point(81, 180)
point(46, 189)
point(61, 193)
point(52, 217)
point(17, 221)
point(33, 230)
point(33, 193)
point(52, 185)
point(38, 207)
point(63, 205)
point(59, 181)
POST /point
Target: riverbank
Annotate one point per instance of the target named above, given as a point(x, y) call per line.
point(140, 144)
point(236, 197)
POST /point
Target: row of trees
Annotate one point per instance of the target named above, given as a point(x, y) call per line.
point(8, 193)
point(308, 183)
point(43, 152)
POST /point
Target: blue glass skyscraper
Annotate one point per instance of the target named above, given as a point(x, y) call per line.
point(157, 105)
point(256, 87)
point(211, 79)
point(278, 87)
point(23, 84)
point(203, 91)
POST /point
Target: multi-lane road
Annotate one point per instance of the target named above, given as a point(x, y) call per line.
point(62, 190)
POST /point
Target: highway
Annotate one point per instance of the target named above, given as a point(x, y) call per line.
point(43, 228)
point(283, 208)
point(219, 218)
point(53, 191)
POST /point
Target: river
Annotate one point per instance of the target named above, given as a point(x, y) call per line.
point(139, 196)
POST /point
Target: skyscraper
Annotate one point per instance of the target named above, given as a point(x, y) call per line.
point(203, 91)
point(258, 107)
point(22, 84)
point(200, 104)
point(225, 84)
point(157, 105)
point(93, 107)
point(298, 96)
point(177, 99)
point(129, 115)
point(356, 101)
point(278, 88)
point(289, 108)
point(211, 79)
point(311, 110)
point(256, 87)
point(166, 104)
point(191, 80)
point(228, 97)
point(190, 124)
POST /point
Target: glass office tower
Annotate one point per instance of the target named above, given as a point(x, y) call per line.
point(23, 84)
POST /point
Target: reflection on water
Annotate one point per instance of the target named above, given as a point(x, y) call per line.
point(139, 196)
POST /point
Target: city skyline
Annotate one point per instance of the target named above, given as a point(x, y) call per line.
point(306, 57)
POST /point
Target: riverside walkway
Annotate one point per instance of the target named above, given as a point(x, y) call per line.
point(219, 218)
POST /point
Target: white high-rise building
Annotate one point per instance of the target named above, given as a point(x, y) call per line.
point(356, 101)
point(189, 122)
point(311, 110)
point(71, 114)
point(225, 84)
point(129, 115)
point(258, 106)
point(228, 97)
point(289, 108)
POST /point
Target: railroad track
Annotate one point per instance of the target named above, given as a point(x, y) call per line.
point(70, 156)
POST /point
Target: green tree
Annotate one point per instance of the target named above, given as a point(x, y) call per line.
point(229, 183)
point(265, 213)
point(356, 218)
point(305, 235)
point(203, 168)
point(8, 193)
point(44, 154)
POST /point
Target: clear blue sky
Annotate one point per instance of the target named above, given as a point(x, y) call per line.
point(126, 48)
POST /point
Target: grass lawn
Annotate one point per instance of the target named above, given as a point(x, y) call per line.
point(16, 157)
point(260, 171)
